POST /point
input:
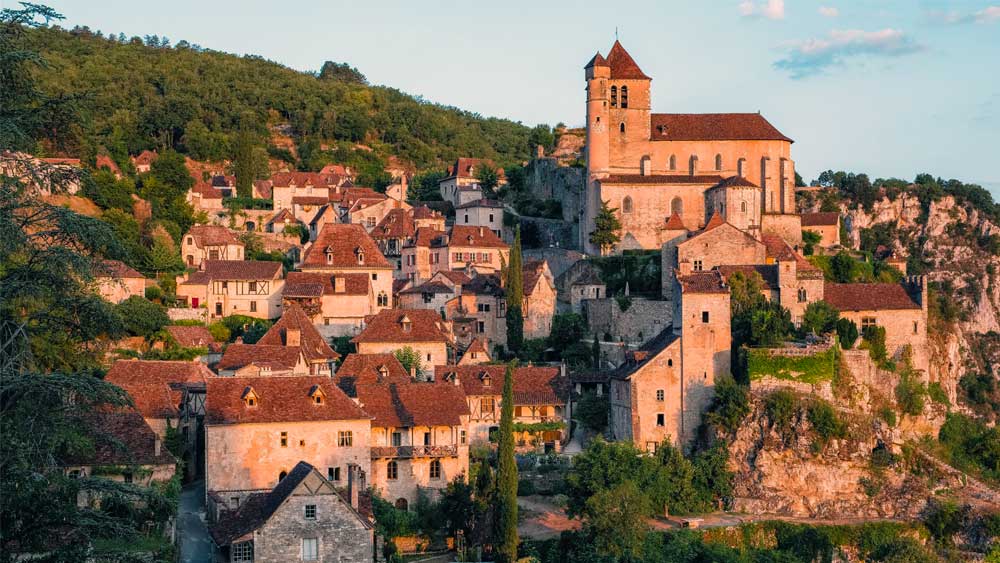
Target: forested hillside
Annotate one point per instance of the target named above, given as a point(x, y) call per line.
point(144, 93)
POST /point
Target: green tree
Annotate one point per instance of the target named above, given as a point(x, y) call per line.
point(410, 359)
point(847, 333)
point(843, 267)
point(244, 162)
point(506, 499)
point(595, 353)
point(770, 324)
point(592, 412)
point(488, 179)
point(809, 240)
point(607, 228)
point(342, 72)
point(515, 295)
point(617, 519)
point(730, 406)
point(142, 317)
point(820, 318)
point(567, 330)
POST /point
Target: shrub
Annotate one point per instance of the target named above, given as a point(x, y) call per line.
point(525, 487)
point(847, 333)
point(731, 404)
point(910, 394)
point(826, 422)
point(141, 316)
point(874, 341)
point(780, 407)
point(888, 415)
point(219, 332)
point(154, 293)
point(592, 412)
point(820, 317)
point(937, 393)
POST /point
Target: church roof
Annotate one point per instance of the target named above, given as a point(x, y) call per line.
point(736, 182)
point(713, 127)
point(715, 221)
point(598, 60)
point(711, 179)
point(674, 223)
point(623, 65)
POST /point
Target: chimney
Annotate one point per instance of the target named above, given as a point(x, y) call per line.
point(239, 340)
point(293, 337)
point(480, 231)
point(338, 284)
point(413, 373)
point(352, 484)
point(156, 446)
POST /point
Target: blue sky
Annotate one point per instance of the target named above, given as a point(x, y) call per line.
point(890, 87)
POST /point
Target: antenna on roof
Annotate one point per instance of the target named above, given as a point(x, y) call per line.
point(616, 33)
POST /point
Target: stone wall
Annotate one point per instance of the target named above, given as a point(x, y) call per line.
point(545, 178)
point(551, 232)
point(183, 314)
point(643, 319)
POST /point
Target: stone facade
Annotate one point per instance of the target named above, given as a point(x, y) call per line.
point(644, 318)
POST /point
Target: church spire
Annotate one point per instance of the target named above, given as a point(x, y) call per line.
point(623, 66)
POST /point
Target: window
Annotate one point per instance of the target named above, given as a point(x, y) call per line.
point(329, 259)
point(627, 205)
point(436, 469)
point(621, 127)
point(361, 257)
point(310, 549)
point(677, 206)
point(391, 471)
point(383, 299)
point(466, 217)
point(310, 512)
point(659, 394)
point(401, 504)
point(333, 473)
point(697, 265)
point(282, 475)
point(491, 217)
point(242, 552)
point(284, 439)
point(693, 164)
point(428, 357)
point(234, 502)
point(518, 412)
point(483, 307)
point(718, 162)
point(480, 327)
point(670, 362)
point(213, 254)
point(614, 96)
point(462, 437)
point(190, 240)
point(743, 206)
point(397, 439)
point(673, 162)
point(127, 477)
point(252, 286)
point(916, 327)
point(624, 97)
point(802, 295)
point(660, 419)
point(427, 438)
point(867, 322)
point(318, 399)
point(345, 438)
point(374, 277)
point(704, 316)
point(486, 404)
point(371, 222)
point(253, 306)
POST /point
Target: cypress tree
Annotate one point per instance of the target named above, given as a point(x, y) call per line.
point(506, 498)
point(515, 295)
point(243, 163)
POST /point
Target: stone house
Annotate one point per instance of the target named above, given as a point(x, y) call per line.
point(479, 311)
point(481, 213)
point(196, 337)
point(541, 395)
point(391, 233)
point(286, 186)
point(258, 428)
point(370, 369)
point(461, 185)
point(234, 287)
point(314, 210)
point(280, 220)
point(348, 249)
point(424, 331)
point(116, 281)
point(125, 449)
point(369, 212)
point(292, 346)
point(144, 161)
point(584, 288)
point(462, 248)
point(203, 196)
point(336, 303)
point(825, 224)
point(305, 517)
point(539, 299)
point(209, 242)
point(432, 294)
point(475, 354)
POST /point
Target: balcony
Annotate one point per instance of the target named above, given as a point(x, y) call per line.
point(407, 452)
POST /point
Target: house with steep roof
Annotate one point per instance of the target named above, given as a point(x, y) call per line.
point(337, 304)
point(144, 161)
point(481, 213)
point(347, 249)
point(234, 287)
point(203, 196)
point(461, 185)
point(541, 402)
point(391, 233)
point(584, 287)
point(369, 369)
point(209, 242)
point(305, 517)
point(539, 299)
point(421, 330)
point(292, 346)
point(473, 249)
point(116, 281)
point(479, 311)
point(475, 353)
point(258, 428)
point(369, 212)
point(287, 186)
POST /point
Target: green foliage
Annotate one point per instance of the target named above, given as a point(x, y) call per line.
point(639, 270)
point(410, 359)
point(874, 342)
point(515, 295)
point(142, 317)
point(780, 407)
point(567, 329)
point(390, 521)
point(857, 187)
point(730, 405)
point(592, 412)
point(970, 445)
point(616, 519)
point(944, 519)
point(515, 331)
point(980, 392)
point(506, 497)
point(607, 228)
point(249, 162)
point(910, 394)
point(820, 318)
point(770, 324)
point(250, 329)
point(220, 332)
point(847, 333)
point(814, 368)
point(809, 240)
point(108, 192)
point(826, 422)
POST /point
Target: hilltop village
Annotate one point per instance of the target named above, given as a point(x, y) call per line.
point(325, 353)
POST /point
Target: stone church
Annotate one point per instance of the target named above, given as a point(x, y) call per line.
point(655, 166)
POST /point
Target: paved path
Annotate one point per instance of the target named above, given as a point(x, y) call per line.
point(196, 545)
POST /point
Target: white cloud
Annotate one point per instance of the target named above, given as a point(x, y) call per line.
point(771, 9)
point(814, 56)
point(828, 11)
point(988, 14)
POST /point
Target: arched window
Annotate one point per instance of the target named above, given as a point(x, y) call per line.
point(621, 127)
point(392, 471)
point(624, 97)
point(383, 299)
point(627, 205)
point(282, 475)
point(802, 295)
point(677, 206)
point(739, 166)
point(436, 469)
point(718, 162)
point(401, 504)
point(743, 206)
point(614, 96)
point(693, 164)
point(250, 226)
point(673, 162)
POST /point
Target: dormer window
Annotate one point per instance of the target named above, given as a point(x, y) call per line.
point(486, 379)
point(383, 372)
point(250, 397)
point(406, 323)
point(317, 395)
point(360, 254)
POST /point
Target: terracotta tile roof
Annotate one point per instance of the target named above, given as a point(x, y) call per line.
point(703, 282)
point(768, 272)
point(264, 188)
point(709, 179)
point(456, 277)
point(674, 223)
point(313, 346)
point(338, 169)
point(120, 437)
point(206, 191)
point(310, 200)
point(157, 372)
point(312, 284)
point(278, 399)
point(485, 284)
point(302, 179)
point(466, 167)
point(352, 195)
point(211, 235)
point(105, 161)
point(389, 325)
point(715, 221)
point(868, 296)
point(780, 251)
point(424, 212)
point(145, 157)
point(477, 346)
point(736, 182)
point(397, 224)
point(413, 404)
point(492, 203)
point(276, 358)
point(344, 241)
point(622, 65)
point(597, 60)
point(479, 237)
point(634, 361)
point(532, 272)
point(258, 508)
point(193, 337)
point(116, 269)
point(283, 216)
point(358, 369)
point(830, 218)
point(240, 270)
point(713, 127)
point(425, 237)
point(532, 385)
point(428, 287)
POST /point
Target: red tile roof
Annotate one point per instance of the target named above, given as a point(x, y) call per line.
point(868, 296)
point(828, 218)
point(622, 65)
point(389, 325)
point(157, 372)
point(466, 167)
point(532, 385)
point(485, 284)
point(703, 282)
point(429, 287)
point(301, 179)
point(481, 203)
point(206, 191)
point(479, 237)
point(674, 223)
point(532, 272)
point(145, 157)
point(713, 127)
point(397, 224)
point(426, 237)
point(424, 212)
point(344, 241)
point(597, 60)
point(736, 182)
point(456, 277)
point(276, 358)
point(368, 369)
point(105, 161)
point(120, 437)
point(212, 235)
point(278, 399)
point(310, 200)
point(709, 179)
point(715, 221)
point(313, 346)
point(314, 284)
point(116, 269)
point(240, 270)
point(413, 404)
point(193, 337)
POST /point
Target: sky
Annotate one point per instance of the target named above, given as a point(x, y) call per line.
point(887, 87)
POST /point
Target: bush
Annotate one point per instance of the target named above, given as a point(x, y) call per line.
point(874, 341)
point(780, 407)
point(731, 404)
point(826, 422)
point(592, 412)
point(219, 332)
point(141, 316)
point(154, 293)
point(820, 317)
point(248, 328)
point(847, 333)
point(937, 393)
point(910, 394)
point(525, 487)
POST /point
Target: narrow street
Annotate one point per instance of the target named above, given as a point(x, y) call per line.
point(195, 544)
